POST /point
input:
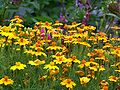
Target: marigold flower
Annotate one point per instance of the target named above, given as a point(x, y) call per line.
point(101, 68)
point(16, 19)
point(58, 54)
point(113, 78)
point(107, 45)
point(43, 77)
point(18, 65)
point(60, 60)
point(6, 81)
point(81, 73)
point(22, 41)
point(68, 83)
point(39, 53)
point(94, 68)
point(54, 47)
point(85, 44)
point(57, 23)
point(84, 80)
point(54, 72)
point(51, 66)
point(117, 71)
point(115, 27)
point(116, 52)
point(36, 62)
point(29, 52)
point(104, 85)
point(73, 59)
point(82, 64)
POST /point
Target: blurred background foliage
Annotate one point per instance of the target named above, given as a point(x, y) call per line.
point(101, 12)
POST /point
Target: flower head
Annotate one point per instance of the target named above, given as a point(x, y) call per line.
point(51, 66)
point(18, 65)
point(113, 78)
point(36, 62)
point(84, 80)
point(22, 41)
point(6, 81)
point(68, 83)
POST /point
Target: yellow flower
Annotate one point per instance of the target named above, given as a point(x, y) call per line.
point(22, 41)
point(117, 71)
point(94, 68)
point(107, 45)
point(91, 28)
point(101, 68)
point(16, 20)
point(42, 78)
point(113, 78)
point(18, 65)
point(54, 47)
point(82, 64)
point(51, 66)
point(68, 83)
point(39, 53)
point(47, 25)
point(115, 27)
point(58, 54)
point(68, 39)
point(84, 80)
point(57, 23)
point(77, 41)
point(54, 72)
point(36, 62)
point(37, 45)
point(116, 52)
point(85, 44)
point(116, 64)
point(6, 81)
point(29, 52)
point(60, 60)
point(91, 62)
point(73, 59)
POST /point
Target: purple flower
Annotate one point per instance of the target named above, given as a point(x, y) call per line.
point(62, 18)
point(49, 36)
point(42, 33)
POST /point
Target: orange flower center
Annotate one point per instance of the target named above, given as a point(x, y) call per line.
point(38, 49)
point(17, 63)
point(68, 81)
point(21, 40)
point(6, 78)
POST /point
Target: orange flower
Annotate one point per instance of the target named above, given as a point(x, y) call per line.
point(82, 64)
point(104, 85)
point(54, 72)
